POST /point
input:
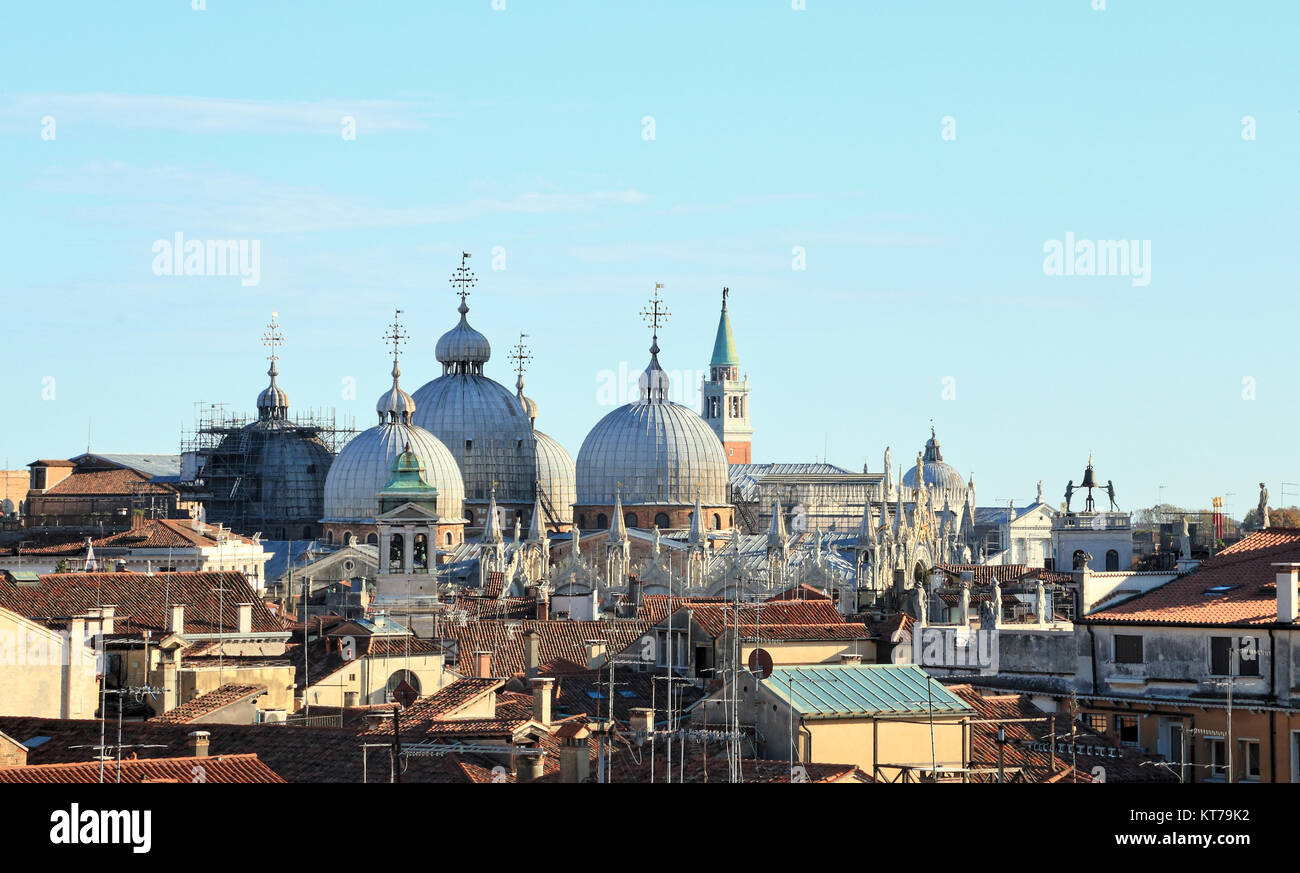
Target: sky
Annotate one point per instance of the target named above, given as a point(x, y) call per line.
point(880, 185)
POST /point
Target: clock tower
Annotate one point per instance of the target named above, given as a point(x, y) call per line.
point(725, 395)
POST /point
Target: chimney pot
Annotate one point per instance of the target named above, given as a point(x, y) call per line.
point(177, 625)
point(482, 664)
point(532, 653)
point(641, 721)
point(245, 618)
point(850, 658)
point(198, 743)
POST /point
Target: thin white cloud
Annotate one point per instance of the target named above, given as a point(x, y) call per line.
point(216, 114)
point(231, 203)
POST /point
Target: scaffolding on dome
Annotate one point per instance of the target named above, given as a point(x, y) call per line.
point(229, 462)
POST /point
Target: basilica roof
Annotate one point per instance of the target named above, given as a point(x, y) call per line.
point(939, 475)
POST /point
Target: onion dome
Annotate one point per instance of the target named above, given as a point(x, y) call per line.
point(463, 349)
point(395, 405)
point(273, 402)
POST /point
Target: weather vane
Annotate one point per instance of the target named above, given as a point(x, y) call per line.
point(656, 314)
point(463, 279)
point(520, 356)
point(396, 335)
point(273, 337)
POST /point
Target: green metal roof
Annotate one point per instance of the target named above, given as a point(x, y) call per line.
point(830, 690)
point(724, 347)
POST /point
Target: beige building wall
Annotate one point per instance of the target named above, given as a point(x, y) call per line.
point(367, 679)
point(42, 674)
point(803, 653)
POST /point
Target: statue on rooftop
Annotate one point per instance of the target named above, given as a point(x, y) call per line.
point(1263, 506)
point(1110, 493)
point(1069, 494)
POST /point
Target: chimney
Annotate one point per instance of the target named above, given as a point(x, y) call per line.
point(482, 664)
point(1287, 607)
point(535, 764)
point(542, 693)
point(850, 658)
point(532, 653)
point(634, 595)
point(575, 752)
point(595, 654)
point(106, 614)
point(641, 721)
point(177, 625)
point(245, 618)
point(198, 744)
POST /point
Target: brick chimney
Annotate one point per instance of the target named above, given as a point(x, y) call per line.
point(543, 692)
point(575, 752)
point(1287, 578)
point(245, 618)
point(198, 744)
point(532, 653)
point(543, 606)
point(177, 624)
point(483, 664)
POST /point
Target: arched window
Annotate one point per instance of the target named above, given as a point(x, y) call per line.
point(396, 679)
point(582, 521)
point(630, 519)
point(420, 553)
point(347, 538)
point(448, 538)
point(1112, 560)
point(396, 554)
point(602, 521)
point(661, 519)
point(717, 521)
point(329, 537)
point(306, 533)
point(372, 539)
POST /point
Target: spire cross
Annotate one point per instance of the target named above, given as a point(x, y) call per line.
point(520, 356)
point(463, 279)
point(396, 335)
point(725, 292)
point(273, 337)
point(656, 314)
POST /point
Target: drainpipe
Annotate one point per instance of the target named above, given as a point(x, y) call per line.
point(1092, 650)
point(1272, 698)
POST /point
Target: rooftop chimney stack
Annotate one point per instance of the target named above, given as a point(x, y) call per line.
point(483, 664)
point(1288, 609)
point(543, 691)
point(177, 625)
point(575, 752)
point(198, 743)
point(595, 654)
point(532, 653)
point(245, 618)
point(641, 721)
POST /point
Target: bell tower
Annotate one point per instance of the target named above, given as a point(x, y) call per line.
point(725, 395)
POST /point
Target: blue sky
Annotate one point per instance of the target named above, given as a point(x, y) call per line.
point(774, 128)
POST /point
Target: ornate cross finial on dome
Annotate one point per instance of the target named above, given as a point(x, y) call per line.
point(463, 280)
point(273, 337)
point(656, 315)
point(396, 335)
point(520, 357)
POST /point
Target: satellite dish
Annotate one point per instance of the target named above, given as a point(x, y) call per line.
point(760, 663)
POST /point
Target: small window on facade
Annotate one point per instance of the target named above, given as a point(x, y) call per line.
point(661, 519)
point(1128, 649)
point(1112, 561)
point(1126, 727)
point(1248, 754)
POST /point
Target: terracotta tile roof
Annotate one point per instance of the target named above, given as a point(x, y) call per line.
point(142, 600)
point(586, 692)
point(444, 703)
point(984, 574)
point(218, 769)
point(299, 754)
point(121, 482)
point(52, 462)
point(715, 618)
point(800, 592)
point(836, 632)
point(1242, 574)
point(156, 533)
point(491, 607)
point(560, 640)
point(1029, 743)
point(438, 720)
point(206, 704)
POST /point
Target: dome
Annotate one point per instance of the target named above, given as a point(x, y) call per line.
point(557, 476)
point(396, 405)
point(463, 345)
point(365, 467)
point(275, 469)
point(941, 476)
point(273, 402)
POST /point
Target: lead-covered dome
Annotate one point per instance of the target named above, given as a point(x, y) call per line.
point(479, 420)
point(660, 452)
point(365, 465)
point(940, 476)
